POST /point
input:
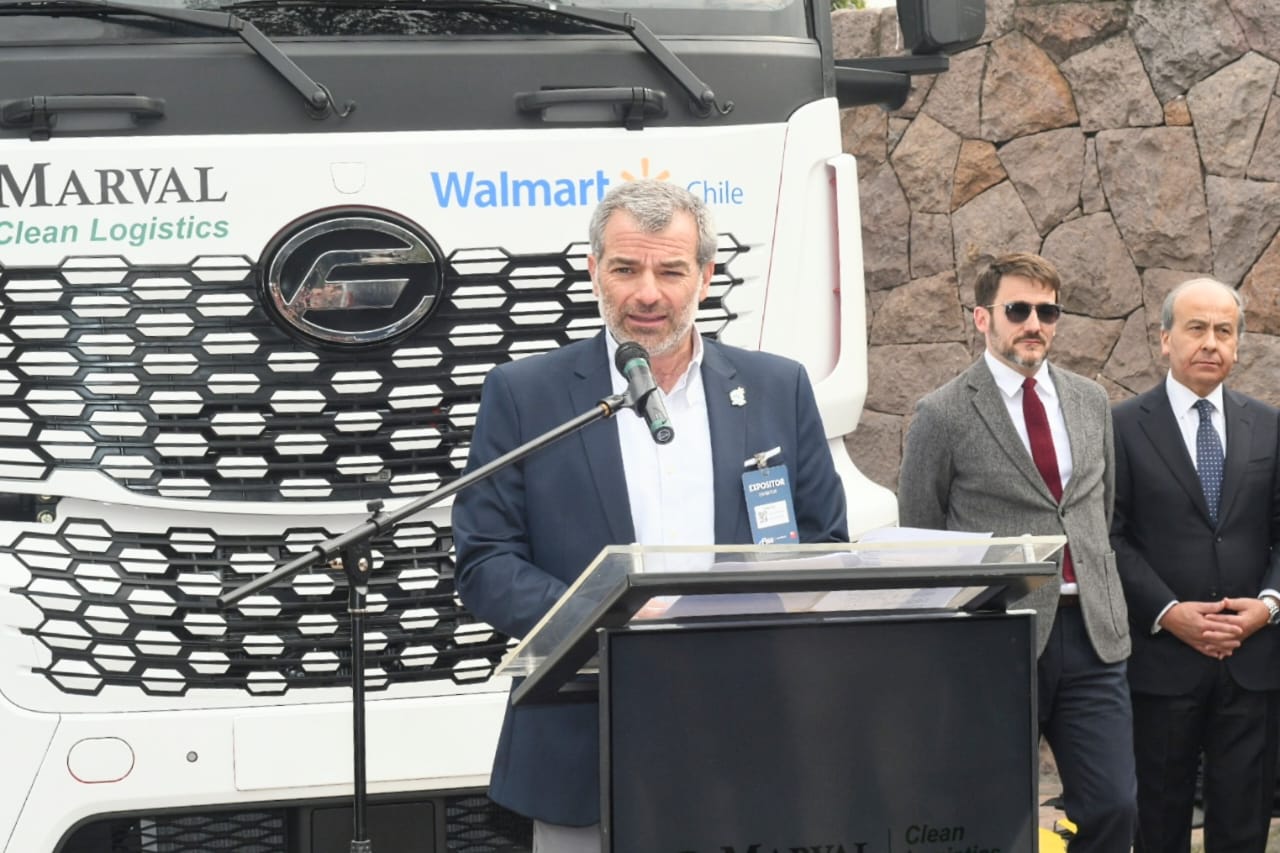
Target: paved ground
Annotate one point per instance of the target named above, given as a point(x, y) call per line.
point(1051, 787)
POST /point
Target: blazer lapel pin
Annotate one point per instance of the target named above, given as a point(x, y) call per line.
point(738, 396)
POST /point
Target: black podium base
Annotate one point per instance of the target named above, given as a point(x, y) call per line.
point(891, 734)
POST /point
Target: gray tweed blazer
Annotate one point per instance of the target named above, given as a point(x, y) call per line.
point(965, 468)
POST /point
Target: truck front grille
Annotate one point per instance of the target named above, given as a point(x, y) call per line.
point(396, 824)
point(120, 608)
point(174, 381)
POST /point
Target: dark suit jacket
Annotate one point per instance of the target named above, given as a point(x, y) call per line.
point(1167, 548)
point(524, 535)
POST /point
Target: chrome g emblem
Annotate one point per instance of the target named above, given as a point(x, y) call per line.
point(352, 277)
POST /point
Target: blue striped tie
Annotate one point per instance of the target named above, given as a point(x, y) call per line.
point(1209, 459)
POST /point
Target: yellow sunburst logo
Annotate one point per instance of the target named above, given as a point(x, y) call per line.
point(644, 172)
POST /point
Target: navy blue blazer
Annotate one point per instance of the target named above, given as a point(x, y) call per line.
point(525, 534)
point(1167, 548)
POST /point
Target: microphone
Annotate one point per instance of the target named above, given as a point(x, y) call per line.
point(642, 392)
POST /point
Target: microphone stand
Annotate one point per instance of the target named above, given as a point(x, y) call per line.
point(351, 551)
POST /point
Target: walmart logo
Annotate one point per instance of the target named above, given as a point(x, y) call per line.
point(466, 189)
point(469, 189)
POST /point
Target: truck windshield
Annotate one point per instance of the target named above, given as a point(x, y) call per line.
point(381, 18)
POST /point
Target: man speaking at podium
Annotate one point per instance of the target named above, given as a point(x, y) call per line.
point(523, 535)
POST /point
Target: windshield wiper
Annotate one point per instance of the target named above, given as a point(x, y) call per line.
point(703, 96)
point(319, 100)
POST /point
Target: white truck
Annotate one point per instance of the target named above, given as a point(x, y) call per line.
point(255, 260)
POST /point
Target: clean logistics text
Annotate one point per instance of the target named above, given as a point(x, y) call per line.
point(98, 230)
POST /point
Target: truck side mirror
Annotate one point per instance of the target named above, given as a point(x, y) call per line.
point(932, 30)
point(941, 26)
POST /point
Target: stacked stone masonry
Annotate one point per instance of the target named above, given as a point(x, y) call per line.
point(1134, 143)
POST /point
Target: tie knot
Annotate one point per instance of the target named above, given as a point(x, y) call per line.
point(1205, 408)
point(1029, 384)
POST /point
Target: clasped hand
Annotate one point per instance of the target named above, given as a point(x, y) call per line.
point(1215, 628)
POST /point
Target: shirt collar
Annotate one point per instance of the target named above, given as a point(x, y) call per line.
point(620, 382)
point(1183, 400)
point(1010, 381)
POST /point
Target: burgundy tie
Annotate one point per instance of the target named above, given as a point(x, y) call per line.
point(1045, 458)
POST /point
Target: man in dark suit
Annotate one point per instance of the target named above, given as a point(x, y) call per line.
point(1016, 445)
point(1196, 529)
point(524, 535)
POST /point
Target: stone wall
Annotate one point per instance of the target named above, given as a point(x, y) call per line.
point(1134, 143)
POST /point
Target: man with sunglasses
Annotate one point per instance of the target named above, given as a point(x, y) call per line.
point(1015, 445)
point(1197, 534)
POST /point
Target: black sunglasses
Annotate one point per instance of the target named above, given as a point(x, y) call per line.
point(1018, 312)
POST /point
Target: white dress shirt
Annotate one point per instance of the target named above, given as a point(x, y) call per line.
point(669, 486)
point(1183, 402)
point(1009, 381)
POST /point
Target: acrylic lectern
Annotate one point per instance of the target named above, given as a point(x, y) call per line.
point(865, 697)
